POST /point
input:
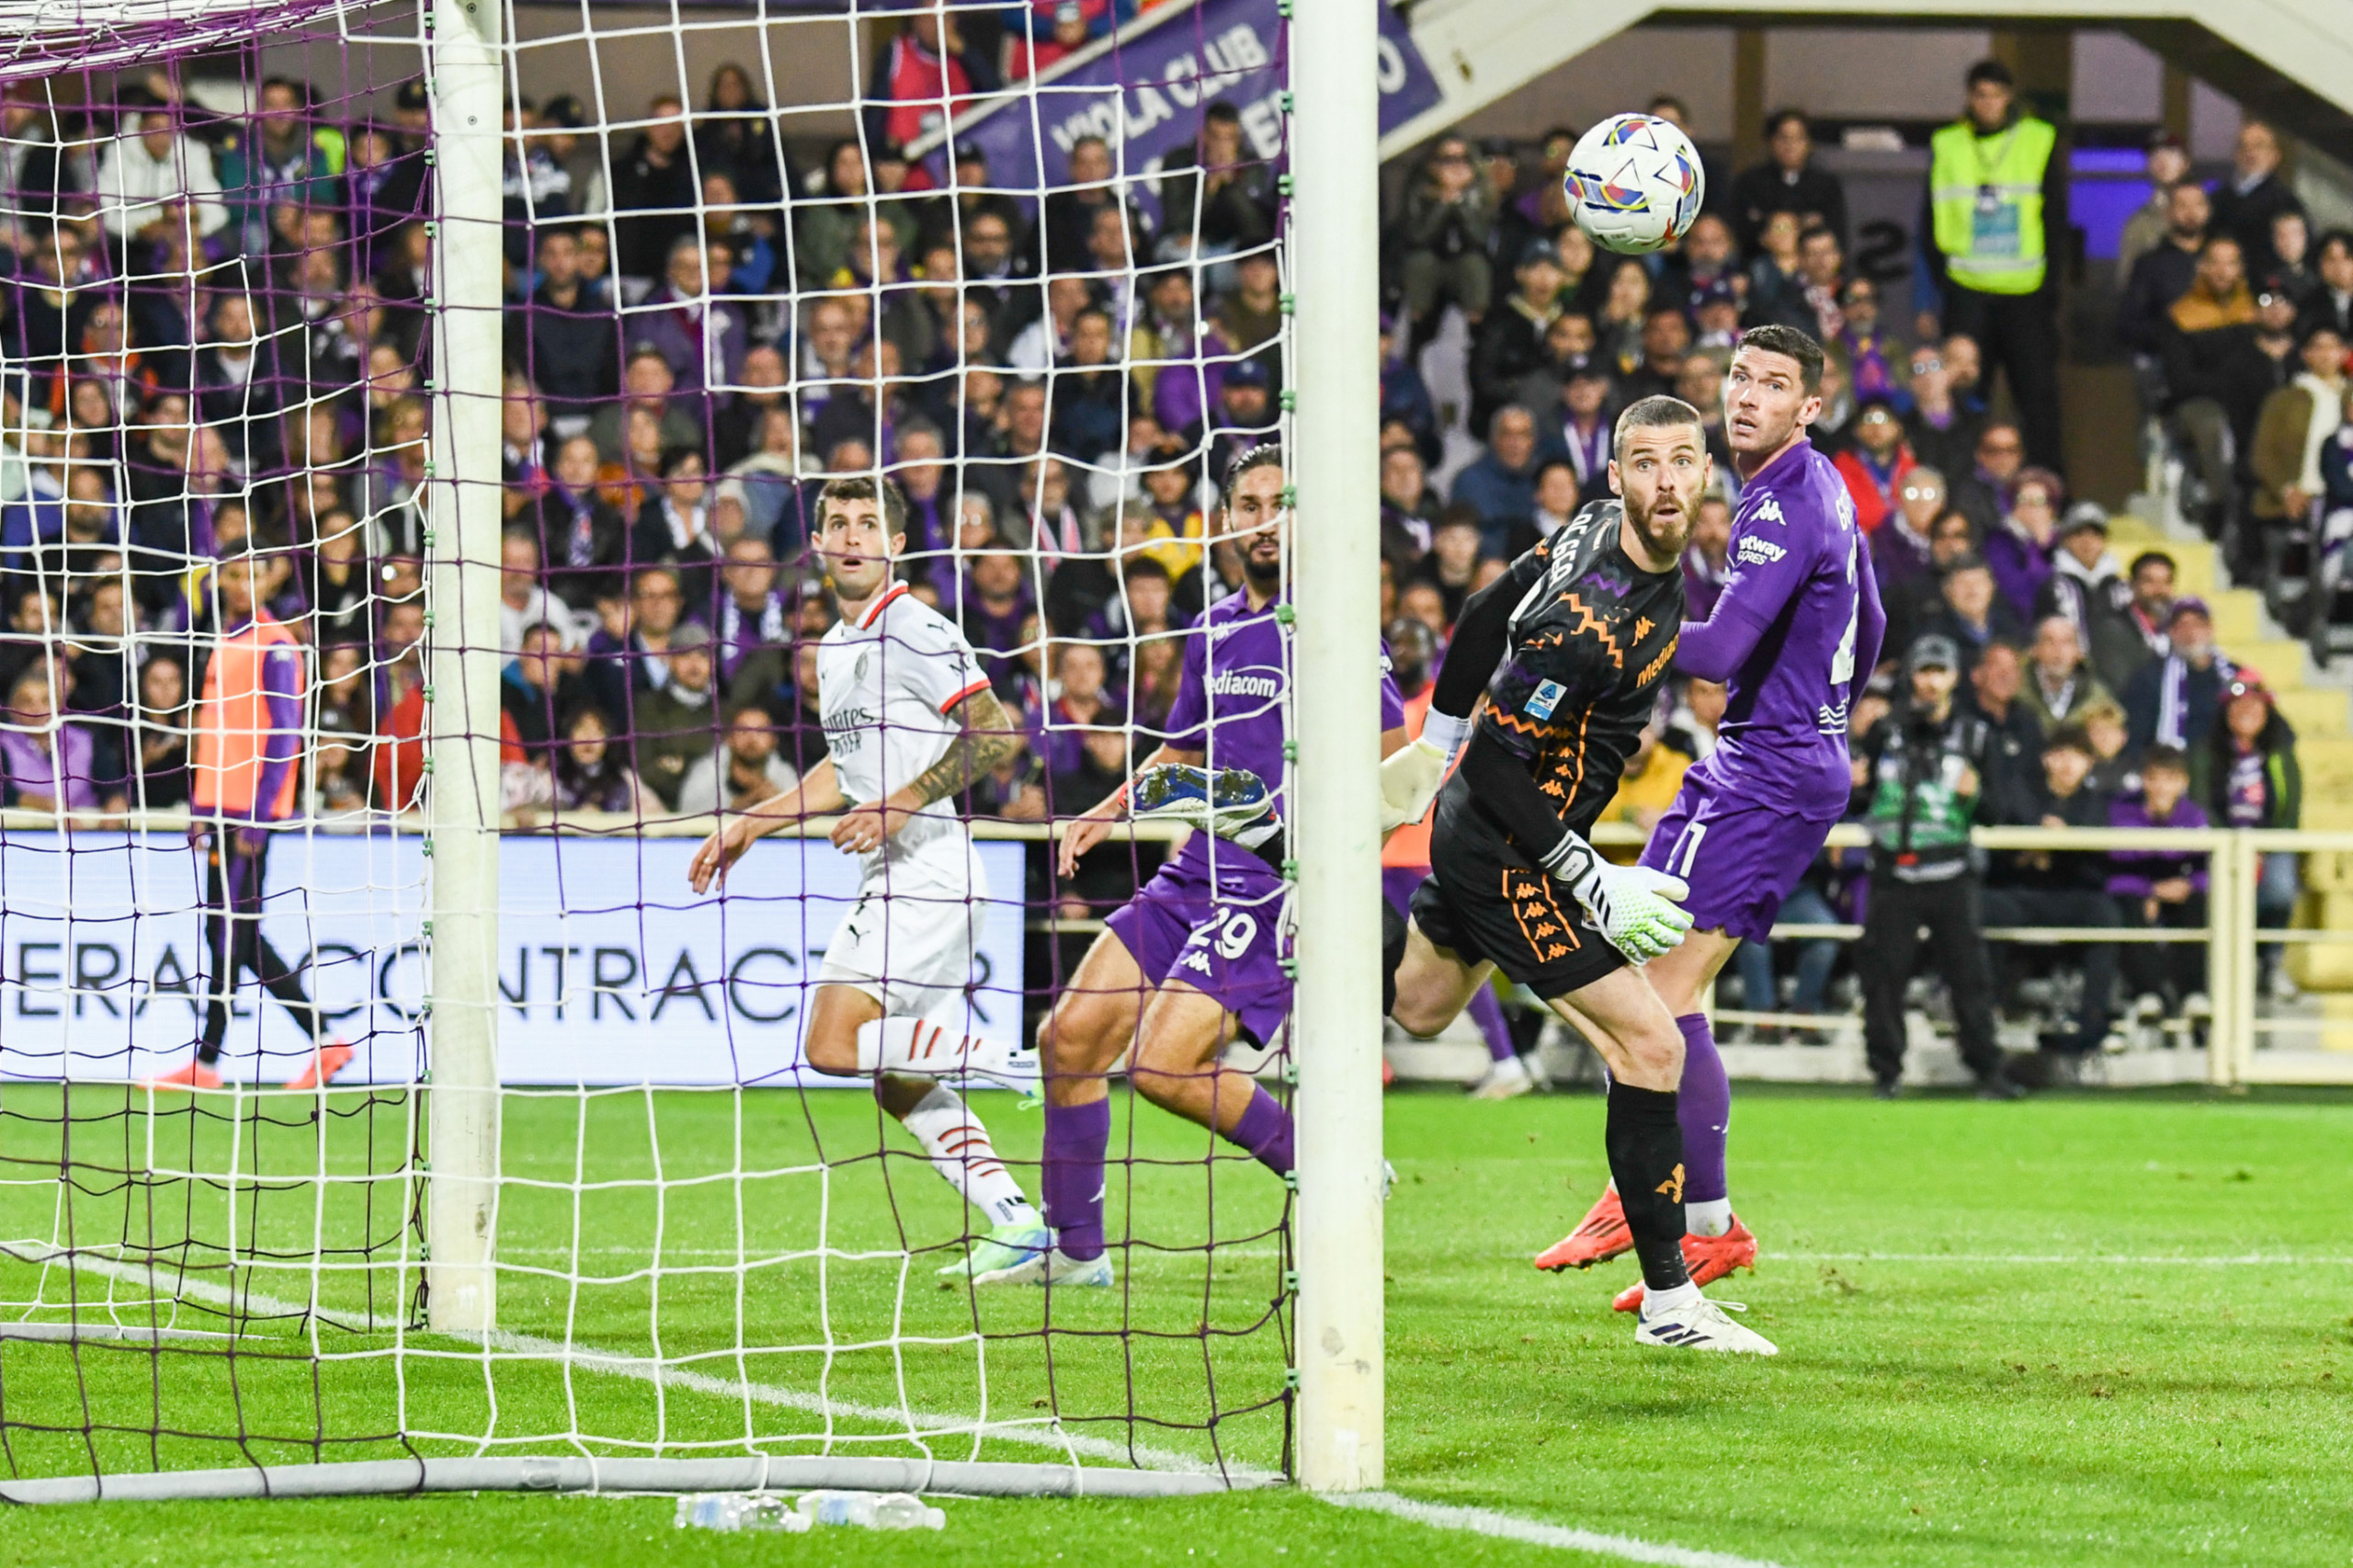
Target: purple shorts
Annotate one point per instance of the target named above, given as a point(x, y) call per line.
point(1225, 939)
point(1741, 860)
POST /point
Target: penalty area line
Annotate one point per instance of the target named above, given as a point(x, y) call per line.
point(2078, 1259)
point(1533, 1532)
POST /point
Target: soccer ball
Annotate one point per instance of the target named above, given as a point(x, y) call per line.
point(1634, 184)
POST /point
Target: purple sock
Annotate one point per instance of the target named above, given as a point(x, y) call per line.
point(1488, 1014)
point(1703, 1105)
point(1264, 1130)
point(1077, 1137)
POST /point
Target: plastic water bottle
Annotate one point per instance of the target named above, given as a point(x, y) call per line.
point(737, 1511)
point(872, 1510)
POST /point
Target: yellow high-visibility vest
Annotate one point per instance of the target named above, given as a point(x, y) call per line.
point(1986, 193)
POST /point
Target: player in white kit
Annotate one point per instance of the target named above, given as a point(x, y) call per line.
point(909, 721)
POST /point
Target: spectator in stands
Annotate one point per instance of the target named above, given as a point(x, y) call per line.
point(1970, 614)
point(2331, 303)
point(1986, 495)
point(2059, 683)
point(1404, 396)
point(654, 194)
point(742, 773)
point(1501, 485)
point(2252, 194)
point(1556, 501)
point(1452, 565)
point(152, 177)
point(1577, 425)
point(923, 79)
point(1919, 775)
point(2019, 549)
point(2162, 887)
point(1788, 181)
point(1876, 466)
point(2086, 586)
point(2173, 701)
point(2293, 426)
point(2247, 777)
point(701, 339)
point(2163, 272)
point(1992, 216)
point(581, 538)
point(1777, 281)
point(592, 772)
point(1215, 198)
point(159, 736)
point(1997, 681)
point(2207, 344)
point(1903, 547)
point(1511, 340)
point(2166, 163)
point(675, 725)
point(735, 132)
point(540, 687)
point(2152, 580)
point(1625, 307)
point(49, 763)
point(2292, 260)
point(1440, 237)
point(1706, 560)
point(1875, 360)
point(2114, 763)
point(278, 159)
point(2060, 888)
point(1942, 434)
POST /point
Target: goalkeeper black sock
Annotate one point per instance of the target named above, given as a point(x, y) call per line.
point(1645, 1145)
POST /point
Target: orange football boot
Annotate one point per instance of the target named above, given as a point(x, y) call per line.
point(194, 1075)
point(1708, 1258)
point(1599, 1236)
point(325, 1063)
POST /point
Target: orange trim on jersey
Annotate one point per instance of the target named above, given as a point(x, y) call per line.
point(1537, 886)
point(981, 685)
point(879, 606)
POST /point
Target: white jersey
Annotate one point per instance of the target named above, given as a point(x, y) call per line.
point(886, 686)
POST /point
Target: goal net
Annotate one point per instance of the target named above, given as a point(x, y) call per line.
point(413, 425)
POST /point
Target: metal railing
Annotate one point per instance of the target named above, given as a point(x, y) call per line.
point(2244, 1045)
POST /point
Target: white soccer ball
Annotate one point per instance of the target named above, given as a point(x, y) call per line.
point(1634, 184)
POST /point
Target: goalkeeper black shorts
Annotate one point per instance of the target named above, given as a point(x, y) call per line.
point(1523, 922)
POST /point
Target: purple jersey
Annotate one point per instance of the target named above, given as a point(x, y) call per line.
point(1232, 697)
point(1794, 558)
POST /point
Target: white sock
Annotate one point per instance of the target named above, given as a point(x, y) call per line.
point(961, 1152)
point(1712, 1218)
point(923, 1049)
point(1656, 1303)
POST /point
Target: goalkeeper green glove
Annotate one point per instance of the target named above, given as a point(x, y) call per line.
point(1633, 906)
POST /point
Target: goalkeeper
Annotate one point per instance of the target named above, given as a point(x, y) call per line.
point(1579, 634)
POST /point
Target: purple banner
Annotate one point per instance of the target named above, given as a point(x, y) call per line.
point(1148, 86)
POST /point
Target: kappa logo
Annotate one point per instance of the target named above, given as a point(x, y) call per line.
point(1546, 698)
point(1754, 551)
point(1769, 511)
point(1672, 1187)
point(1199, 959)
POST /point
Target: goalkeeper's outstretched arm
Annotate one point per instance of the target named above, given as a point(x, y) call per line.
point(1410, 778)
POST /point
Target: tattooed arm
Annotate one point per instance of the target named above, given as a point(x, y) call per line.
point(989, 737)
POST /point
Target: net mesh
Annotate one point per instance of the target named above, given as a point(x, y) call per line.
point(1028, 264)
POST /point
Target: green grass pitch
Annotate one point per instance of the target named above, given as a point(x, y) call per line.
point(2113, 1329)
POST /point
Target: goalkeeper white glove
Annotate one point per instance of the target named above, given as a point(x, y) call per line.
point(1411, 775)
point(1633, 906)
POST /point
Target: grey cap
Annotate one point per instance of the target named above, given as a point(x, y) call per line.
point(689, 636)
point(2084, 515)
point(1932, 653)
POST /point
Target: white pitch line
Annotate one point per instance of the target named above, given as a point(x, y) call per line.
point(2083, 1259)
point(643, 1370)
point(1533, 1532)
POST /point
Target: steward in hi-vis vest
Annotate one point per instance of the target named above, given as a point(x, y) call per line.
point(1990, 227)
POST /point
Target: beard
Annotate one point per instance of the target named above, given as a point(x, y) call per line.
point(1263, 574)
point(1665, 536)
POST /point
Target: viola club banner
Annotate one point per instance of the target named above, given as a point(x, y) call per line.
point(1144, 89)
point(610, 970)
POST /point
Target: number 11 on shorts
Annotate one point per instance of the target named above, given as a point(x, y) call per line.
point(1686, 849)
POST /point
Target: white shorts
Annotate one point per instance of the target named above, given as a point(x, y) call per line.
point(912, 940)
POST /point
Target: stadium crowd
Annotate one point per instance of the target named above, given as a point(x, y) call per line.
point(213, 330)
